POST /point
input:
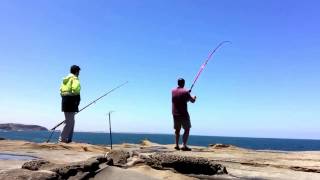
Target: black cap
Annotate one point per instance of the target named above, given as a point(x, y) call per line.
point(74, 69)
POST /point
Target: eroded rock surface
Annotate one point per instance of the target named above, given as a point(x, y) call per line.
point(76, 170)
point(241, 163)
point(184, 164)
point(119, 157)
point(37, 164)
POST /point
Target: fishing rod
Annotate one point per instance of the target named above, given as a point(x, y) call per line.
point(52, 130)
point(206, 62)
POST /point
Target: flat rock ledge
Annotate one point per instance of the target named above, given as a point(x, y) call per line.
point(45, 170)
point(184, 164)
point(23, 174)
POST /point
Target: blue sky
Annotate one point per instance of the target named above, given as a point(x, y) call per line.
point(264, 84)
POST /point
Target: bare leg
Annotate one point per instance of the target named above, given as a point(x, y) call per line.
point(177, 137)
point(185, 137)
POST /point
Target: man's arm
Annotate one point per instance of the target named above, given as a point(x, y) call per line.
point(191, 98)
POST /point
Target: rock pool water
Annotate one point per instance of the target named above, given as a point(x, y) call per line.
point(7, 156)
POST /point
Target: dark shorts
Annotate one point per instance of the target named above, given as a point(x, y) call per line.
point(70, 103)
point(183, 121)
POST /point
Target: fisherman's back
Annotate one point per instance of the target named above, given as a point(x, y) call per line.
point(180, 98)
point(70, 93)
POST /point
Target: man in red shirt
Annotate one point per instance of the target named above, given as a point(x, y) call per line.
point(180, 98)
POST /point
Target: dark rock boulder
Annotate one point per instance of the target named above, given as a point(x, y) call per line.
point(101, 159)
point(119, 157)
point(74, 169)
point(66, 171)
point(62, 170)
point(35, 165)
point(90, 165)
point(185, 164)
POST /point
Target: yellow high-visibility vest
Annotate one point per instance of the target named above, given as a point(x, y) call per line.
point(70, 85)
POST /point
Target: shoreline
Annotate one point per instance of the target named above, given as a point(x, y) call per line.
point(265, 144)
point(152, 133)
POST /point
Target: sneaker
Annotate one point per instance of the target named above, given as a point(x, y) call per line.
point(185, 148)
point(177, 148)
point(64, 141)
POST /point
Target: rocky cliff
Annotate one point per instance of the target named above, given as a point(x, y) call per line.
point(21, 127)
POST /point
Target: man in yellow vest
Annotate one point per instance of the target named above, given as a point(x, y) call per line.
point(70, 93)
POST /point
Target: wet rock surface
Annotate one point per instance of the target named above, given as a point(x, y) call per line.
point(184, 164)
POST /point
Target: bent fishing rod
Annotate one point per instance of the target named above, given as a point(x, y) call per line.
point(206, 62)
point(52, 130)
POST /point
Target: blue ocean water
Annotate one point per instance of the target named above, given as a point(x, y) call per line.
point(104, 139)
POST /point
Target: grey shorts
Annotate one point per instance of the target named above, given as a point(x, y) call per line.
point(183, 121)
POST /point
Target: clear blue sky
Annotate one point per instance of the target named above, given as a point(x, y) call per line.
point(264, 84)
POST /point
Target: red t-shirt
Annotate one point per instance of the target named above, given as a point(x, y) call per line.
point(180, 98)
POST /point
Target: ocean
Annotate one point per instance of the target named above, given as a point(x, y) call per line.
point(104, 139)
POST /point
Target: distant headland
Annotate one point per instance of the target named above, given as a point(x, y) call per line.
point(21, 127)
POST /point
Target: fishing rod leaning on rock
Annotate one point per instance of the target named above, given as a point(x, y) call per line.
point(206, 62)
point(52, 130)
